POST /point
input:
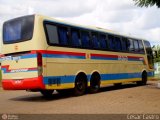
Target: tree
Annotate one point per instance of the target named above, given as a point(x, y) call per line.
point(156, 51)
point(146, 3)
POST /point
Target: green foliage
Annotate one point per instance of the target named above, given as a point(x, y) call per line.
point(156, 49)
point(146, 3)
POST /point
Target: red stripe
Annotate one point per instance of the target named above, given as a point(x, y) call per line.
point(31, 68)
point(104, 55)
point(7, 68)
point(59, 52)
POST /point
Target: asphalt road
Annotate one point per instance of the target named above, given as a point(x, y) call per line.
point(128, 99)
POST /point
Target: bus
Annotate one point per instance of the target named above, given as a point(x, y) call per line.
point(45, 54)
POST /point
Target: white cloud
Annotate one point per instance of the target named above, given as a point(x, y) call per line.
point(122, 16)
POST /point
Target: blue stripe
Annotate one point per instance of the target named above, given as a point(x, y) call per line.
point(4, 70)
point(63, 79)
point(134, 59)
point(150, 74)
point(28, 56)
point(120, 76)
point(103, 58)
point(62, 56)
point(104, 77)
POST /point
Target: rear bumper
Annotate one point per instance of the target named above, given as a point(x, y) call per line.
point(24, 84)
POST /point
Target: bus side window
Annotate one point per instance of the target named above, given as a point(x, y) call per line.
point(75, 37)
point(52, 34)
point(118, 45)
point(124, 44)
point(103, 41)
point(141, 47)
point(131, 45)
point(111, 42)
point(95, 41)
point(63, 35)
point(136, 45)
point(85, 39)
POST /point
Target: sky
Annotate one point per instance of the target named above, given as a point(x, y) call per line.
point(121, 16)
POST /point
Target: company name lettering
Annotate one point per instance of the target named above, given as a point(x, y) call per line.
point(19, 70)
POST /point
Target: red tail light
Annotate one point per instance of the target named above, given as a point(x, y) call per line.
point(39, 59)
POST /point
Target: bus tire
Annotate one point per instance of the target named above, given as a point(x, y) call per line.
point(47, 93)
point(94, 83)
point(80, 84)
point(144, 78)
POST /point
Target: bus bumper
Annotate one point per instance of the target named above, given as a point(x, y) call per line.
point(23, 84)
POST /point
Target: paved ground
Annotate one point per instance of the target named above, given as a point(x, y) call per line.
point(128, 99)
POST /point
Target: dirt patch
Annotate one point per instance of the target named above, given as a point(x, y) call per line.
point(110, 100)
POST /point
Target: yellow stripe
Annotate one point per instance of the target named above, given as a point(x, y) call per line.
point(62, 86)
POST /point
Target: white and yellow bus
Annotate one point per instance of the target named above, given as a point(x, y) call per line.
point(44, 54)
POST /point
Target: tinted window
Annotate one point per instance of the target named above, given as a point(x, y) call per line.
point(112, 44)
point(63, 34)
point(149, 54)
point(147, 45)
point(136, 45)
point(95, 41)
point(141, 48)
point(118, 44)
point(75, 37)
point(131, 45)
point(124, 44)
point(18, 30)
point(85, 39)
point(103, 41)
point(52, 34)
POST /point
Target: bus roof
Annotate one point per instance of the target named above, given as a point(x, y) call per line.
point(99, 29)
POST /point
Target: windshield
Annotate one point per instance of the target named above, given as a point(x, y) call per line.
point(18, 29)
point(149, 54)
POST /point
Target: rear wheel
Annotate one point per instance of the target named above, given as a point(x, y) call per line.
point(80, 85)
point(95, 83)
point(47, 93)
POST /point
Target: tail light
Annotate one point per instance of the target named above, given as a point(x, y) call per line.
point(39, 63)
point(39, 59)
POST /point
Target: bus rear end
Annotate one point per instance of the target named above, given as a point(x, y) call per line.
point(21, 63)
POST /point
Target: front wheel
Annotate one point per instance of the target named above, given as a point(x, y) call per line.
point(144, 79)
point(47, 93)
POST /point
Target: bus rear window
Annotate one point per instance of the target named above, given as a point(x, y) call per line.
point(18, 29)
